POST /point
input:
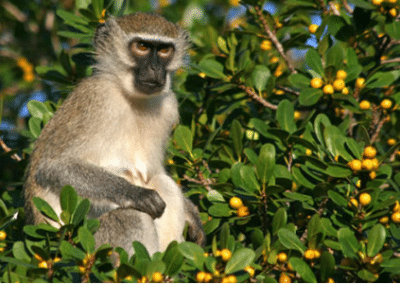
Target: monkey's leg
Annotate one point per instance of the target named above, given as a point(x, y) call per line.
point(123, 226)
point(98, 185)
point(172, 222)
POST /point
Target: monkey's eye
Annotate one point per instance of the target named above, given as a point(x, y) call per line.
point(142, 46)
point(165, 51)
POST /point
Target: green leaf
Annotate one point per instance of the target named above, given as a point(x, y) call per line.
point(303, 269)
point(376, 240)
point(69, 251)
point(380, 79)
point(250, 182)
point(367, 275)
point(45, 208)
point(69, 17)
point(222, 44)
point(215, 196)
point(338, 171)
point(140, 251)
point(237, 137)
point(314, 226)
point(35, 126)
point(279, 220)
point(235, 174)
point(393, 29)
point(68, 199)
point(212, 68)
point(265, 164)
point(348, 241)
point(224, 235)
point(240, 259)
point(260, 76)
point(285, 116)
point(86, 239)
point(19, 251)
point(313, 61)
point(335, 56)
point(310, 96)
point(193, 252)
point(327, 265)
point(183, 137)
point(219, 210)
point(37, 109)
point(299, 81)
point(290, 240)
point(173, 259)
point(81, 211)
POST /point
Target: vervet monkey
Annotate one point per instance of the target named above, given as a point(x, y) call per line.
point(108, 139)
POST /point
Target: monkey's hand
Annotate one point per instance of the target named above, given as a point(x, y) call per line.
point(195, 231)
point(147, 201)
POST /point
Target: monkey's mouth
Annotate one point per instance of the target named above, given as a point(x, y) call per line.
point(149, 87)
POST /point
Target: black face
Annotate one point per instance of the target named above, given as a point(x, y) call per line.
point(152, 58)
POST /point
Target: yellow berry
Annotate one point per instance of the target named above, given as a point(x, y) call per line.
point(309, 254)
point(284, 278)
point(3, 235)
point(82, 269)
point(297, 115)
point(358, 184)
point(386, 104)
point(364, 199)
point(353, 202)
point(339, 85)
point(364, 105)
point(217, 253)
point(266, 45)
point(355, 165)
point(393, 12)
point(396, 207)
point(369, 152)
point(278, 72)
point(250, 270)
point(226, 254)
point(372, 175)
point(282, 257)
point(142, 280)
point(128, 278)
point(341, 74)
point(330, 280)
point(2, 249)
point(208, 277)
point(367, 164)
point(279, 92)
point(328, 89)
point(243, 211)
point(235, 202)
point(377, 2)
point(345, 91)
point(396, 217)
point(308, 152)
point(316, 83)
point(274, 59)
point(57, 259)
point(317, 253)
point(384, 220)
point(200, 276)
point(157, 277)
point(312, 28)
point(202, 75)
point(391, 141)
point(360, 83)
point(232, 278)
point(392, 1)
point(43, 264)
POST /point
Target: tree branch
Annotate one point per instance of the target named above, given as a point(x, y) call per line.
point(274, 39)
point(256, 97)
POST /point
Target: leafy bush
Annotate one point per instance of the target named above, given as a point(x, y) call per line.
point(289, 151)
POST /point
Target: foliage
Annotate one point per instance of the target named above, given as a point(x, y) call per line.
point(279, 163)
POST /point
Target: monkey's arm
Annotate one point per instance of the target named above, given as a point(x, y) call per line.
point(96, 183)
point(195, 230)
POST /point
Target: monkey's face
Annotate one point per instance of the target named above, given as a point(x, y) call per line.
point(151, 59)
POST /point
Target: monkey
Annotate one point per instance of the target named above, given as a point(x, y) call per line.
point(109, 136)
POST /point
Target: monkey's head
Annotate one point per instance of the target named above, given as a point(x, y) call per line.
point(140, 51)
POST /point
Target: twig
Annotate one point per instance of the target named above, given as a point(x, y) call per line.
point(7, 149)
point(321, 2)
point(347, 7)
point(256, 97)
point(333, 8)
point(378, 129)
point(288, 90)
point(274, 39)
point(13, 10)
point(394, 60)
